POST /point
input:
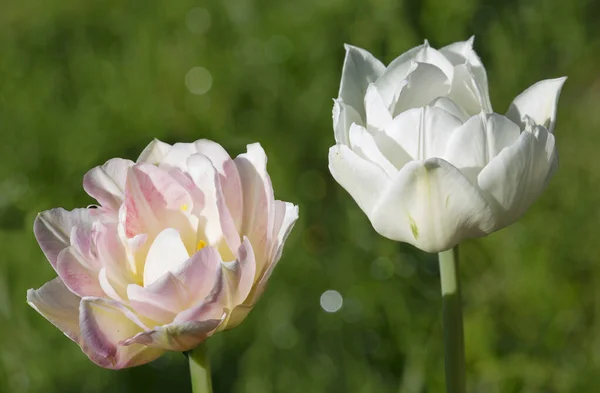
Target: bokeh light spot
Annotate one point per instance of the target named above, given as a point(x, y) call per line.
point(331, 301)
point(198, 80)
point(197, 20)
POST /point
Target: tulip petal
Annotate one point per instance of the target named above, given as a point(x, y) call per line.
point(363, 144)
point(360, 69)
point(216, 223)
point(378, 114)
point(285, 218)
point(538, 102)
point(450, 106)
point(106, 183)
point(425, 83)
point(161, 300)
point(460, 53)
point(258, 198)
point(362, 179)
point(517, 176)
point(198, 273)
point(166, 253)
point(343, 117)
point(78, 274)
point(104, 324)
point(112, 255)
point(392, 81)
point(431, 205)
point(229, 177)
point(479, 140)
point(153, 200)
point(58, 305)
point(175, 291)
point(238, 276)
point(52, 229)
point(422, 132)
point(467, 92)
point(154, 152)
point(181, 335)
point(178, 155)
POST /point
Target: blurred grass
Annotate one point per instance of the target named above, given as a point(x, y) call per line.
point(83, 82)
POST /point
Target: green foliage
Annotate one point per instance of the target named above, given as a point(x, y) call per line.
point(81, 82)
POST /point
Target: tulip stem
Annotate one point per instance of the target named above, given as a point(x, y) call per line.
point(454, 344)
point(200, 370)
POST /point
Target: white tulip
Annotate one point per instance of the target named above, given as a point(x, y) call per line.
point(422, 153)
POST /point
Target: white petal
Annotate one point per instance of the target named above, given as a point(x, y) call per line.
point(538, 102)
point(462, 52)
point(391, 149)
point(467, 92)
point(177, 156)
point(166, 253)
point(423, 132)
point(424, 84)
point(343, 117)
point(363, 144)
point(284, 222)
point(519, 174)
point(362, 179)
point(154, 152)
point(378, 114)
point(479, 140)
point(391, 83)
point(451, 107)
point(58, 305)
point(106, 183)
point(360, 69)
point(431, 205)
point(52, 229)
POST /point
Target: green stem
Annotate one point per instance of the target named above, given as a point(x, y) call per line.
point(454, 344)
point(200, 370)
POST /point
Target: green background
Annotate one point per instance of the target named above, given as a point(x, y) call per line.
point(81, 82)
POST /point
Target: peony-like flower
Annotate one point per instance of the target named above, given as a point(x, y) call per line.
point(181, 246)
point(422, 153)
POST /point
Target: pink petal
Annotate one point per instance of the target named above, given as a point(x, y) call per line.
point(198, 274)
point(286, 217)
point(104, 325)
point(154, 200)
point(238, 276)
point(77, 274)
point(58, 305)
point(229, 177)
point(172, 293)
point(106, 183)
point(215, 219)
point(258, 198)
point(180, 336)
point(52, 229)
point(113, 257)
point(161, 301)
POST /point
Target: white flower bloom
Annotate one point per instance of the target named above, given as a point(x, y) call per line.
point(421, 151)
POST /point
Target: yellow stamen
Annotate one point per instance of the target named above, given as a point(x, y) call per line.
point(201, 244)
point(184, 207)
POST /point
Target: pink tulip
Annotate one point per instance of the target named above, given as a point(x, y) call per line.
point(181, 246)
